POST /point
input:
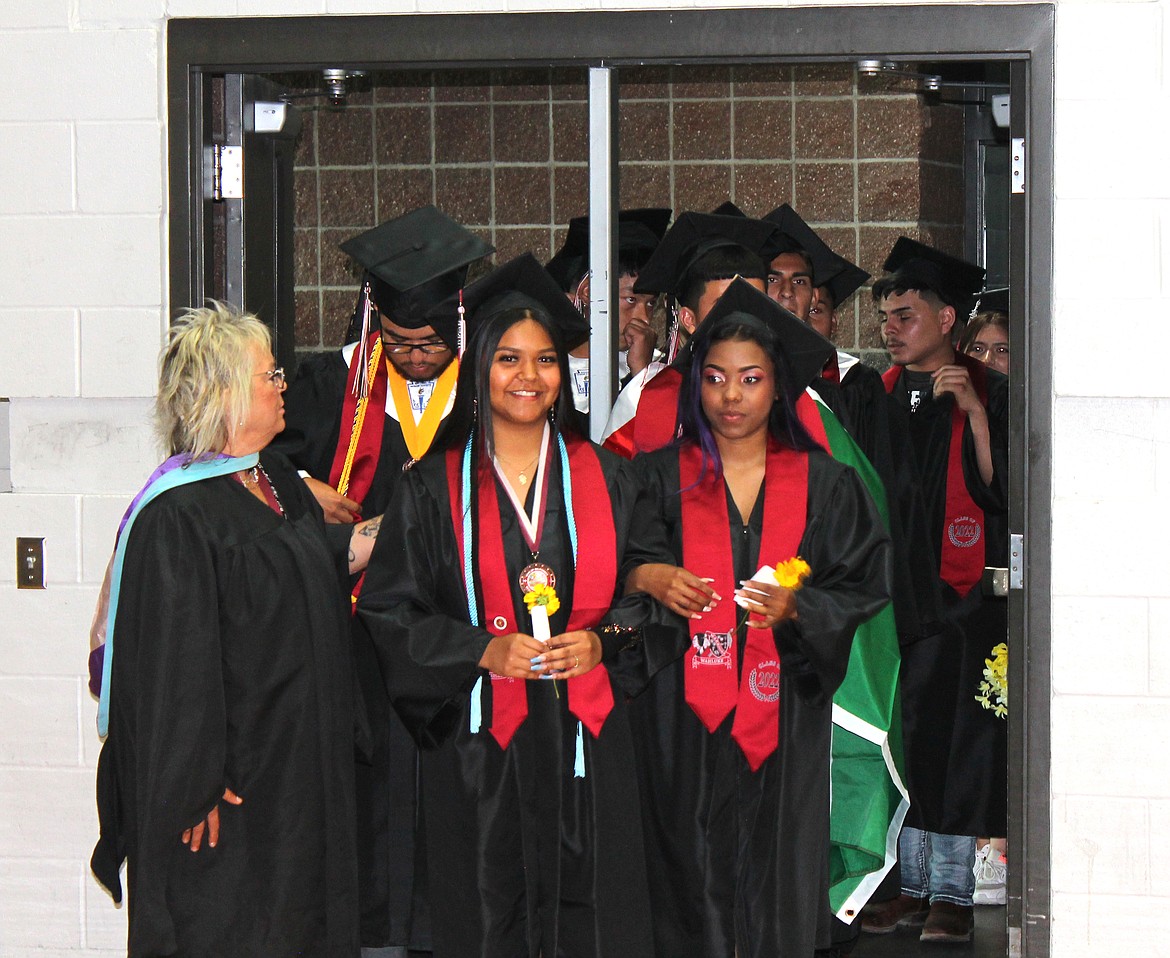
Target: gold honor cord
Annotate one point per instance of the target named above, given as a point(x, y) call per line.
point(359, 416)
point(420, 435)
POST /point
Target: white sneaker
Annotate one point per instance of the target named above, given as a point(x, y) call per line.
point(990, 877)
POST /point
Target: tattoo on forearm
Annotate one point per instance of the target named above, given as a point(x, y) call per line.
point(352, 557)
point(371, 528)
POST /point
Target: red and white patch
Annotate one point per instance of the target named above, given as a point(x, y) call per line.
point(964, 532)
point(764, 682)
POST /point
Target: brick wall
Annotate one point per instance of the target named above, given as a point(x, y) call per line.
point(506, 154)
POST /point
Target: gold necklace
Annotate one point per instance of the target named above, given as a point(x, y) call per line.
point(522, 477)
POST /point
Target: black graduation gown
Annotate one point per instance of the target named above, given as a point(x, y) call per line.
point(738, 861)
point(956, 751)
point(232, 669)
point(523, 858)
point(390, 865)
point(918, 604)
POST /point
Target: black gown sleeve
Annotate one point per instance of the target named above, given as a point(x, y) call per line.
point(848, 550)
point(412, 605)
point(167, 741)
point(633, 661)
point(990, 497)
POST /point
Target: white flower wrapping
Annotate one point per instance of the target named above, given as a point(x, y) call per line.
point(765, 574)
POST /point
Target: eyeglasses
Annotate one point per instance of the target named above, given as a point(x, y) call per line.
point(405, 349)
point(275, 376)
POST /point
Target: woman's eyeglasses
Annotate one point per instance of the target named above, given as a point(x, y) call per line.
point(275, 376)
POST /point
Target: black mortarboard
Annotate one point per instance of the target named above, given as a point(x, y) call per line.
point(524, 283)
point(917, 265)
point(845, 282)
point(415, 261)
point(727, 208)
point(829, 268)
point(692, 236)
point(994, 300)
point(639, 232)
point(804, 349)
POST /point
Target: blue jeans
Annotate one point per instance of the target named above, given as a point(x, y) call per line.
point(938, 867)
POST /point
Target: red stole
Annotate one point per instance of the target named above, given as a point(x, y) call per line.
point(832, 370)
point(362, 421)
point(963, 545)
point(712, 687)
point(808, 411)
point(590, 695)
point(656, 421)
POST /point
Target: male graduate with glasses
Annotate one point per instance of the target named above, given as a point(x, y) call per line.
point(355, 420)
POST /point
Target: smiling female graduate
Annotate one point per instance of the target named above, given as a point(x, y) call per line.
point(529, 793)
point(734, 738)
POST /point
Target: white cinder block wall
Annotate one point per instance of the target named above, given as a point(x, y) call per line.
point(82, 236)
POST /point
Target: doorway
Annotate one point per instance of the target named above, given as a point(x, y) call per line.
point(673, 64)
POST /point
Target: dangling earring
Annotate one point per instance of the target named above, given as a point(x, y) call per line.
point(552, 416)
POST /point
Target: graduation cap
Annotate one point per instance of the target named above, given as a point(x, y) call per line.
point(523, 283)
point(994, 300)
point(805, 351)
point(917, 265)
point(692, 237)
point(415, 261)
point(728, 208)
point(843, 283)
point(639, 231)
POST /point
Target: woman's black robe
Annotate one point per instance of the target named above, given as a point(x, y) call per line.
point(232, 669)
point(523, 858)
point(738, 860)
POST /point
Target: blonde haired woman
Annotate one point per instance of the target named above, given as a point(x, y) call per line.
point(226, 777)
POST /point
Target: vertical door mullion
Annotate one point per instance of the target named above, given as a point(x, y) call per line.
point(603, 201)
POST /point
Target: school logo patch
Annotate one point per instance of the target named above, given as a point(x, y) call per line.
point(764, 681)
point(713, 648)
point(964, 532)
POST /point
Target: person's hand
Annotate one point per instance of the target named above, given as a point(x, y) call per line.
point(683, 592)
point(767, 604)
point(336, 507)
point(514, 655)
point(571, 653)
point(956, 381)
point(193, 836)
point(640, 339)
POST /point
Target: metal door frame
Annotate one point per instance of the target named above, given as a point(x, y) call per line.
point(1022, 34)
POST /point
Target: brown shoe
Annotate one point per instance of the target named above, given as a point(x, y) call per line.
point(948, 922)
point(880, 918)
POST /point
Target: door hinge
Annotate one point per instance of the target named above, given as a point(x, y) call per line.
point(227, 172)
point(1016, 562)
point(1019, 162)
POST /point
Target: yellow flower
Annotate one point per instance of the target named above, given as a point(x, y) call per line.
point(792, 572)
point(544, 595)
point(993, 690)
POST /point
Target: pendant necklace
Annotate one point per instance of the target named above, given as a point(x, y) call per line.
point(522, 476)
point(532, 526)
point(251, 477)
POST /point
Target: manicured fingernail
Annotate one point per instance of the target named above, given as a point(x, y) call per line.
point(716, 596)
point(536, 666)
point(708, 608)
point(695, 615)
point(536, 658)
